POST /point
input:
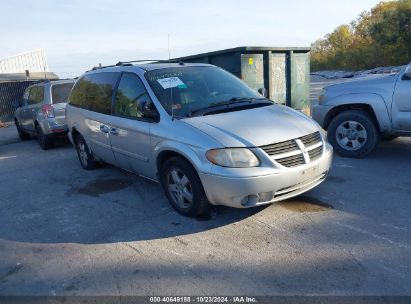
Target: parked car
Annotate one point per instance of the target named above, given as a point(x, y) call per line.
point(357, 114)
point(200, 131)
point(42, 112)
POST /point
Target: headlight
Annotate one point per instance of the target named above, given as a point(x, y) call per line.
point(233, 157)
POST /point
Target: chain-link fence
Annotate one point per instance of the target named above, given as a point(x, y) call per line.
point(11, 95)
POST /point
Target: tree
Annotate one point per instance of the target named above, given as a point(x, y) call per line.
point(380, 37)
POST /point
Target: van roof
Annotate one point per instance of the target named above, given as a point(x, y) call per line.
point(146, 66)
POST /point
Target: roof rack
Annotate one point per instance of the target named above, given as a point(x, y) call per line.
point(122, 63)
point(128, 63)
point(102, 67)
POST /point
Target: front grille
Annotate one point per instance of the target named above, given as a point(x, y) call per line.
point(291, 161)
point(282, 147)
point(311, 139)
point(291, 153)
point(315, 153)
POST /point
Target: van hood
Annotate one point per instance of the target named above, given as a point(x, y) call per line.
point(254, 127)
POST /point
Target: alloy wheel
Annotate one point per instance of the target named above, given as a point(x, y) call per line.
point(351, 135)
point(180, 189)
point(82, 152)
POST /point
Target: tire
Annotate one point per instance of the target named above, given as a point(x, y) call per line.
point(44, 141)
point(179, 175)
point(23, 135)
point(84, 154)
point(353, 134)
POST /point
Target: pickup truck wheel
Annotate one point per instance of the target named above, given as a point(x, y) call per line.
point(353, 134)
point(183, 187)
point(84, 154)
point(23, 135)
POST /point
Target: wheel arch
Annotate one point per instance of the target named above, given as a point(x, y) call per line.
point(166, 150)
point(347, 107)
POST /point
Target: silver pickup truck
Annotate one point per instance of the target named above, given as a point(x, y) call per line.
point(358, 114)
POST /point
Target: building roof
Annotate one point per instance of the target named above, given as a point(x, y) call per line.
point(4, 77)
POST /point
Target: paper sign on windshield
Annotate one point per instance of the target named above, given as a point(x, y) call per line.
point(171, 82)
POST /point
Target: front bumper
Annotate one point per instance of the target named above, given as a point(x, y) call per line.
point(259, 190)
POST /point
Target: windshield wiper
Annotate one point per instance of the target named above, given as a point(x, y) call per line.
point(234, 100)
point(226, 103)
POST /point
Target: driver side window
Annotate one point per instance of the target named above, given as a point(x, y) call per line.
point(131, 97)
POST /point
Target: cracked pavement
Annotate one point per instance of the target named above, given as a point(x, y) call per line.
point(66, 231)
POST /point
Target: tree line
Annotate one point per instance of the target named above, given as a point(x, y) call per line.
point(379, 37)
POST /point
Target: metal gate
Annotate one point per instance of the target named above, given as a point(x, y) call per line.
point(11, 95)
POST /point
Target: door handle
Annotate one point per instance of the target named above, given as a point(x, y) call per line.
point(114, 131)
point(104, 128)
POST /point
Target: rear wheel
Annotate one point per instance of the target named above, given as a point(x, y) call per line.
point(84, 154)
point(44, 141)
point(183, 187)
point(23, 135)
point(353, 134)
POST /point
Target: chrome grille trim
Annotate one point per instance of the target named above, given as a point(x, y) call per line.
point(291, 161)
point(315, 153)
point(296, 152)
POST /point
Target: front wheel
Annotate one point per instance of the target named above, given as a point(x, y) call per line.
point(353, 134)
point(183, 187)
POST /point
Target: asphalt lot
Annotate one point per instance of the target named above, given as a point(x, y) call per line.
point(66, 231)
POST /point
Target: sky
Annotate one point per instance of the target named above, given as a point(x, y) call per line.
point(78, 35)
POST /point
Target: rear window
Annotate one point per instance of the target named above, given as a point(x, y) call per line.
point(60, 92)
point(36, 95)
point(94, 92)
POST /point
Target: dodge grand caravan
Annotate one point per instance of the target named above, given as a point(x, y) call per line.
point(198, 130)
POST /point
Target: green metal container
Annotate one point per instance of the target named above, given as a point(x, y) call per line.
point(283, 72)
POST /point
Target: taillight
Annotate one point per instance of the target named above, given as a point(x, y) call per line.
point(48, 110)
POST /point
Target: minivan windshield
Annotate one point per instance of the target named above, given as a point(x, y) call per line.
point(192, 88)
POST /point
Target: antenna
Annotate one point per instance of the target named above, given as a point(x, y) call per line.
point(171, 88)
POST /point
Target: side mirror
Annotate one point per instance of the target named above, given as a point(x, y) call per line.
point(263, 92)
point(149, 111)
point(407, 73)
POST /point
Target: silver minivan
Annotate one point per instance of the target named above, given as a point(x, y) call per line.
point(200, 131)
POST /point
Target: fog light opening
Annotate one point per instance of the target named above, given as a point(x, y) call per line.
point(251, 199)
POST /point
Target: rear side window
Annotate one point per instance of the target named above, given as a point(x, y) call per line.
point(32, 95)
point(60, 92)
point(40, 95)
point(26, 96)
point(36, 95)
point(94, 92)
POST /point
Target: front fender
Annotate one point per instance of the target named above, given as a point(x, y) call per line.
point(375, 101)
point(195, 155)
